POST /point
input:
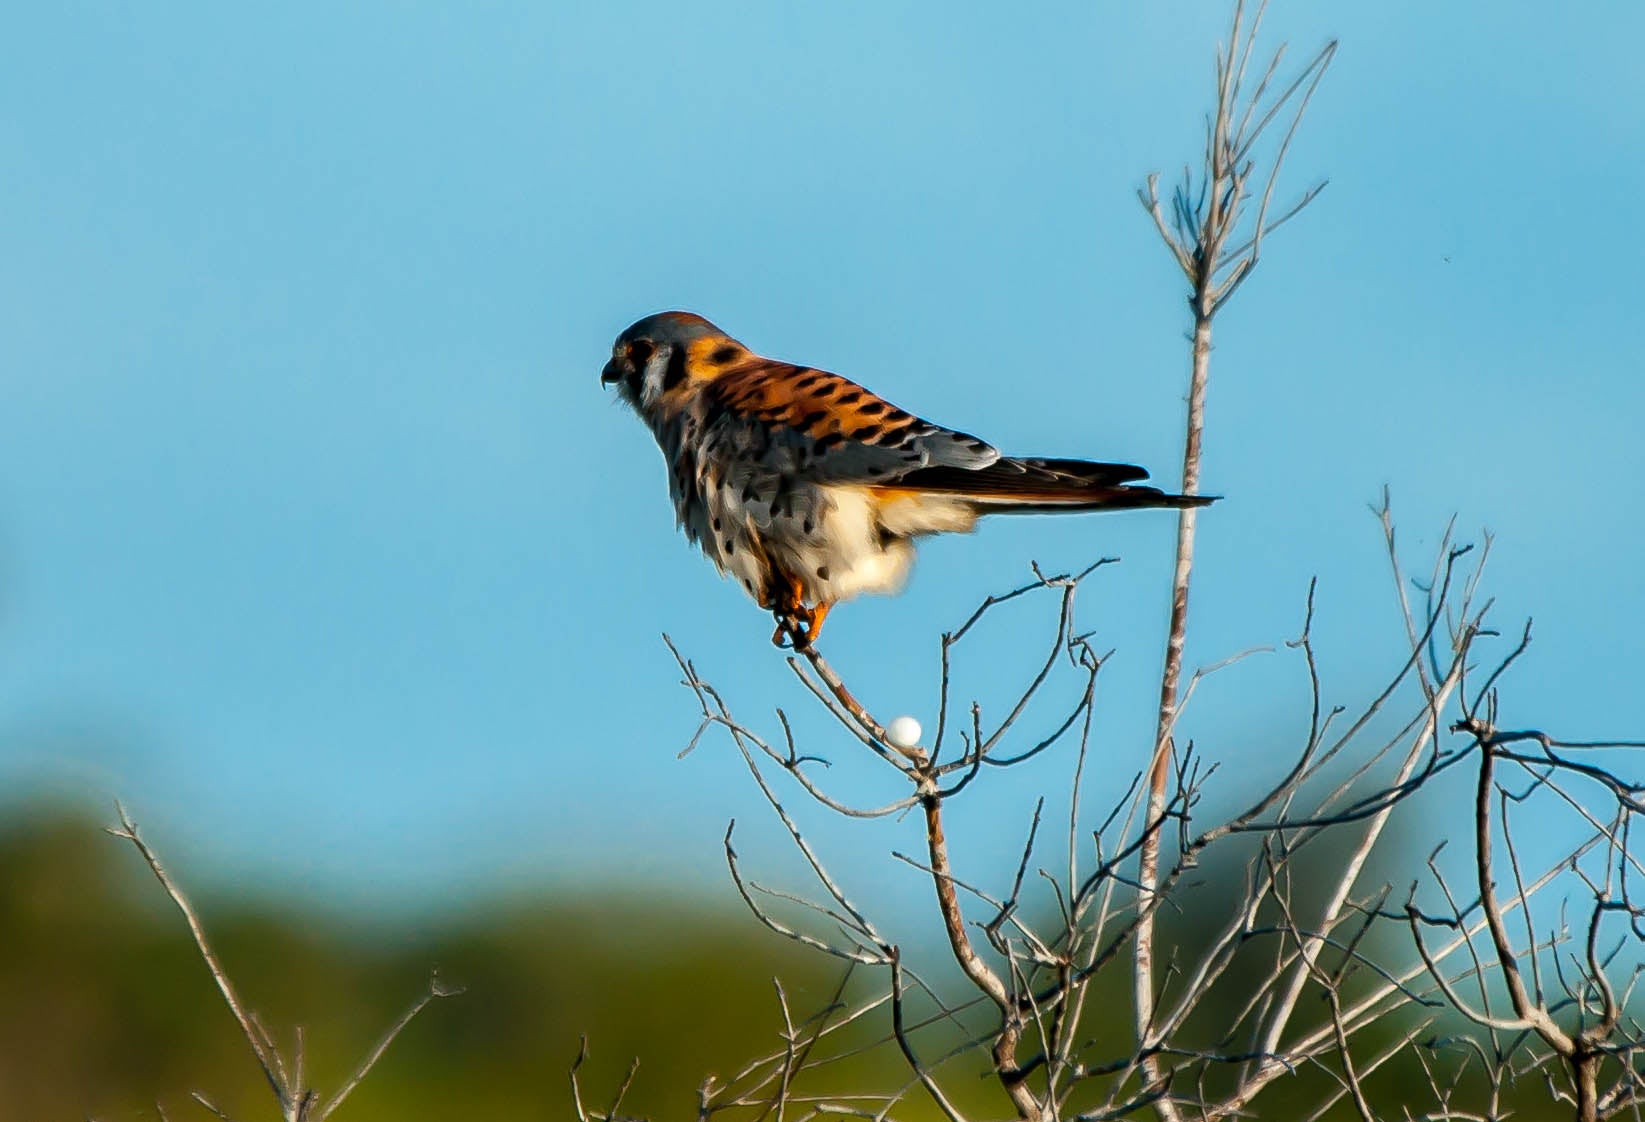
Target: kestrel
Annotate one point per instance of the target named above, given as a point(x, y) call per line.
point(808, 488)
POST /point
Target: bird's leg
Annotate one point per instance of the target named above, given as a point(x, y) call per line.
point(801, 625)
point(814, 617)
point(796, 623)
point(790, 611)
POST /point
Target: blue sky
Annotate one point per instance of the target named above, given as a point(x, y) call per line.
point(322, 546)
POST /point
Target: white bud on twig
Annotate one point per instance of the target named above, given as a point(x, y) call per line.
point(903, 732)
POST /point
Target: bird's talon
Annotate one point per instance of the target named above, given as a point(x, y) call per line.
point(791, 632)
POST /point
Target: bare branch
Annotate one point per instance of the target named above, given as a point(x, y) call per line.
point(267, 1057)
point(436, 989)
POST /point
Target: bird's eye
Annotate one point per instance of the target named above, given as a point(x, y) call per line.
point(639, 351)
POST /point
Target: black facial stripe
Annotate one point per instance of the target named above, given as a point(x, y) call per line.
point(675, 374)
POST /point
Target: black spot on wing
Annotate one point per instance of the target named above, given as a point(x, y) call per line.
point(894, 432)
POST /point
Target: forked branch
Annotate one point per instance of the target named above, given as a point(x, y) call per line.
point(298, 1102)
point(1216, 242)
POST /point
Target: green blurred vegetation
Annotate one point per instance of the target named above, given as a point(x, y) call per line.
point(108, 1011)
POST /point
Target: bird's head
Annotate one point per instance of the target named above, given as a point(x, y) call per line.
point(664, 352)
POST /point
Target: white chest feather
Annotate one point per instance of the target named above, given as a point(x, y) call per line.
point(837, 542)
point(852, 552)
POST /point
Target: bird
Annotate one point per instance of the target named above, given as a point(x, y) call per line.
point(810, 489)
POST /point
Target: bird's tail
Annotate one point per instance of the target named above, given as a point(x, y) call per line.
point(1036, 486)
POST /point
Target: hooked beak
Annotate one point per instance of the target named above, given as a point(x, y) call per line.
point(611, 374)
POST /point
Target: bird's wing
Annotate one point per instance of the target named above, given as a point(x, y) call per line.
point(770, 425)
point(1011, 485)
point(773, 416)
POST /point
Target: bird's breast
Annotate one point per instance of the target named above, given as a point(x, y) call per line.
point(859, 541)
point(764, 523)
